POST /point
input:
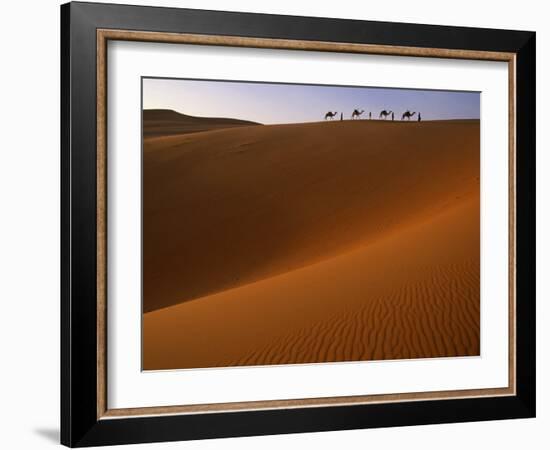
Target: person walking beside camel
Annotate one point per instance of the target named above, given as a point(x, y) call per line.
point(419, 117)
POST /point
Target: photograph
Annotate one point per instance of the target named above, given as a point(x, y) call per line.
point(301, 224)
point(282, 220)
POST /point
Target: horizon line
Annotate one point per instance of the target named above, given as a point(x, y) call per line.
point(253, 122)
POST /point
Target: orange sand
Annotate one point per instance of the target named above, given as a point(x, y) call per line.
point(311, 243)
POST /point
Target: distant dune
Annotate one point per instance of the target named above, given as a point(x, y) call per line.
point(311, 242)
point(164, 122)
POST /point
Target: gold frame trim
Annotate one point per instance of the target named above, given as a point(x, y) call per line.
point(103, 36)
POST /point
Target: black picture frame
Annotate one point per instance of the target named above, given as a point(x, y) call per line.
point(80, 425)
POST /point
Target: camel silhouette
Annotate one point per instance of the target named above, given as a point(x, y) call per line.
point(408, 115)
point(357, 114)
point(330, 115)
point(384, 114)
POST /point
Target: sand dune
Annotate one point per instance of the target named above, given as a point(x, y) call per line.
point(245, 204)
point(412, 294)
point(164, 122)
point(311, 243)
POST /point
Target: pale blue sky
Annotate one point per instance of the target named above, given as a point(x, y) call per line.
point(271, 103)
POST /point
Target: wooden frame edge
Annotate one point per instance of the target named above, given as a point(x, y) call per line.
point(289, 44)
point(103, 36)
point(512, 200)
point(101, 190)
point(212, 408)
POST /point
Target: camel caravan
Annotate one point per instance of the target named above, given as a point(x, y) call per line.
point(384, 115)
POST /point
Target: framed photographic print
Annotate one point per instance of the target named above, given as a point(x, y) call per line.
point(276, 224)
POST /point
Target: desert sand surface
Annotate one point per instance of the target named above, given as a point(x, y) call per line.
point(311, 243)
point(164, 122)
